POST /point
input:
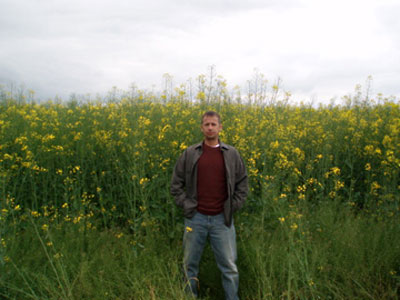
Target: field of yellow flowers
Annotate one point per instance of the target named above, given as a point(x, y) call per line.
point(86, 211)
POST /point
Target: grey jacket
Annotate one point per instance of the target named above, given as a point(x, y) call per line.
point(184, 180)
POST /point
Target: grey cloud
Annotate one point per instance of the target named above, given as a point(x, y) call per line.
point(60, 46)
point(51, 18)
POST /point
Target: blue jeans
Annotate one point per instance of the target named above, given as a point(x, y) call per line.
point(223, 244)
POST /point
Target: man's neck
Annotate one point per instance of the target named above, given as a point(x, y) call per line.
point(211, 143)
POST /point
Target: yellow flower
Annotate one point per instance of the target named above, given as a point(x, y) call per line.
point(339, 184)
point(335, 170)
point(45, 227)
point(281, 219)
point(274, 145)
point(58, 148)
point(7, 156)
point(301, 196)
point(35, 214)
point(375, 185)
point(301, 188)
point(77, 136)
point(27, 164)
point(48, 137)
point(294, 226)
point(143, 181)
point(311, 181)
point(201, 96)
point(122, 134)
point(165, 128)
point(369, 149)
point(183, 146)
point(367, 167)
point(269, 178)
point(297, 171)
point(189, 229)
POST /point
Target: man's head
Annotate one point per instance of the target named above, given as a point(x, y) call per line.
point(211, 113)
point(211, 127)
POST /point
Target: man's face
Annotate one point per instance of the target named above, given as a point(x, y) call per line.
point(211, 127)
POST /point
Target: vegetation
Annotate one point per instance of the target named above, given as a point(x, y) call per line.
point(85, 209)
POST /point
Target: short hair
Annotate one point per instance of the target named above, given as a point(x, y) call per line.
point(211, 113)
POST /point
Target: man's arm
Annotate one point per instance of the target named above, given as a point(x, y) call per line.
point(178, 181)
point(241, 185)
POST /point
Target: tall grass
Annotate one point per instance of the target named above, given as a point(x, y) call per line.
point(86, 211)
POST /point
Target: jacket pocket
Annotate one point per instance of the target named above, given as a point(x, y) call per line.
point(189, 207)
point(180, 200)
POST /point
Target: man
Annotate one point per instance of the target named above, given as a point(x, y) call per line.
point(209, 183)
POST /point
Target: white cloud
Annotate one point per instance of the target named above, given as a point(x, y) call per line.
point(321, 48)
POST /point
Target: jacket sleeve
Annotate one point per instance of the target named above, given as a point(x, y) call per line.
point(178, 182)
point(241, 184)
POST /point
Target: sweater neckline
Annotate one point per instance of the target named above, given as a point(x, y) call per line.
point(212, 147)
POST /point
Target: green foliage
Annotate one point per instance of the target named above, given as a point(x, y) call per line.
point(86, 211)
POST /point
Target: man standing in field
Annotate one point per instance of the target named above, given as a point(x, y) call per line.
point(209, 183)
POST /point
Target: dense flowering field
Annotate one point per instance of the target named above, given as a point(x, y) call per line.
point(114, 161)
point(108, 165)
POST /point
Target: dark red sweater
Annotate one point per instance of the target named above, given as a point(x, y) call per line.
point(211, 181)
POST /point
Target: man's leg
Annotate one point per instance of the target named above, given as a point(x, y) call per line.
point(194, 239)
point(223, 243)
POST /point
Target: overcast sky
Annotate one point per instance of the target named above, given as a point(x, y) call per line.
point(320, 49)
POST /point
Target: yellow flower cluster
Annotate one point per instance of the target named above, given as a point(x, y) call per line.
point(107, 160)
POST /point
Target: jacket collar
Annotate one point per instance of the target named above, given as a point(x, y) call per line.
point(221, 144)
